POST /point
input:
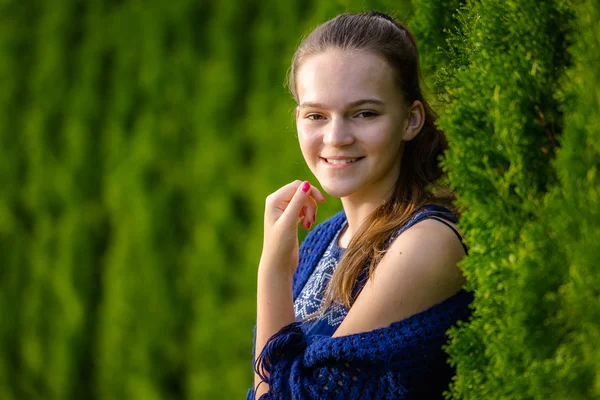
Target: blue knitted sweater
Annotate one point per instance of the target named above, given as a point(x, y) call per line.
point(402, 361)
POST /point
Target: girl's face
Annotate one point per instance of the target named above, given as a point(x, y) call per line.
point(351, 122)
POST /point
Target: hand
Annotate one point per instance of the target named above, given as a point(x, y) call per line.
point(293, 203)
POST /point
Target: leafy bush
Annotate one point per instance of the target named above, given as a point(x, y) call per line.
point(521, 96)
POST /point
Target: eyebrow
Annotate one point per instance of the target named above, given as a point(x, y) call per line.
point(349, 105)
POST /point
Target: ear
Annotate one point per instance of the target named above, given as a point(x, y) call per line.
point(415, 121)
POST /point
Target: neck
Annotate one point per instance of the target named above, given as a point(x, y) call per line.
point(357, 208)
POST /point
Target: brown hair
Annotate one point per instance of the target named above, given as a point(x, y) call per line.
point(382, 35)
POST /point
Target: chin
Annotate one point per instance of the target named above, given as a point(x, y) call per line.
point(338, 191)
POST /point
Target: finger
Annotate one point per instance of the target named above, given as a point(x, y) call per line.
point(286, 192)
point(303, 218)
point(298, 201)
point(310, 213)
point(316, 194)
point(277, 202)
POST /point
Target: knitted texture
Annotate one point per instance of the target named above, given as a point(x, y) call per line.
point(312, 249)
point(402, 361)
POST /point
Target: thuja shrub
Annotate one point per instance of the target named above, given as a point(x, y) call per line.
point(506, 90)
point(431, 22)
point(563, 325)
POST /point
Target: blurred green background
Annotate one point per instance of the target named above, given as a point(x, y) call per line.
point(138, 141)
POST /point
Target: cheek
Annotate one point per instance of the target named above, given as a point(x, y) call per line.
point(389, 137)
point(387, 143)
point(309, 144)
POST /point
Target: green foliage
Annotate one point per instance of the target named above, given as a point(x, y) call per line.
point(515, 89)
point(565, 357)
point(431, 22)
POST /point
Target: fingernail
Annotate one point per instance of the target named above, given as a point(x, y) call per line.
point(305, 187)
point(309, 225)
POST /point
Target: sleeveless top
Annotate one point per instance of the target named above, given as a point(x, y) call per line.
point(310, 298)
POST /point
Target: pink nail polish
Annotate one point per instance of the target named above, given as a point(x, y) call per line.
point(305, 187)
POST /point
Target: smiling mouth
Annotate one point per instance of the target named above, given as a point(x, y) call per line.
point(341, 161)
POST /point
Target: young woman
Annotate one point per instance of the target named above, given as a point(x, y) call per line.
point(361, 309)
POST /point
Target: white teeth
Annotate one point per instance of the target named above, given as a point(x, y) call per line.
point(346, 161)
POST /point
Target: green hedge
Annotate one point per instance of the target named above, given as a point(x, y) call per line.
point(432, 22)
point(521, 91)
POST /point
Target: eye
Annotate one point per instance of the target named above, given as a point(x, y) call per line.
point(366, 114)
point(314, 117)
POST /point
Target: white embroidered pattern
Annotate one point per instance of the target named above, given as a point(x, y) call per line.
point(311, 296)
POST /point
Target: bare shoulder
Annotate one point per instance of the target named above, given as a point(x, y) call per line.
point(428, 238)
point(418, 271)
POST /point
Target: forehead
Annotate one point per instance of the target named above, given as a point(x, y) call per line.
point(336, 77)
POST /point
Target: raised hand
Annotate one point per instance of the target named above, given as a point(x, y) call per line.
point(292, 204)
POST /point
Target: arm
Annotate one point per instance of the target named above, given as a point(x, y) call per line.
point(283, 211)
point(274, 311)
point(418, 271)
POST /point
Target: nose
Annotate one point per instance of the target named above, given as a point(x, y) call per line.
point(338, 133)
